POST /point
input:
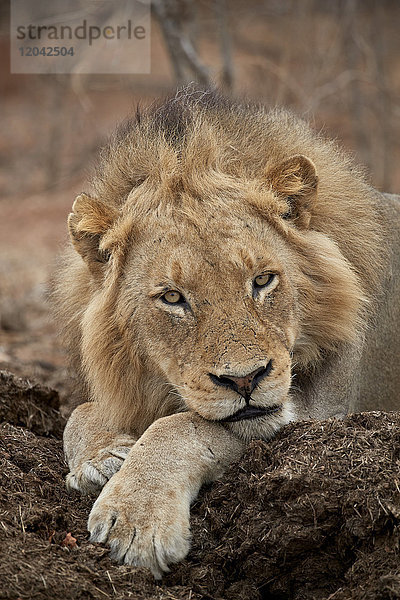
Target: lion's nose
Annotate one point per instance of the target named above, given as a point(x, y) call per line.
point(245, 384)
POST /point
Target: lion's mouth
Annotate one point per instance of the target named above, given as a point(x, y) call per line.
point(251, 412)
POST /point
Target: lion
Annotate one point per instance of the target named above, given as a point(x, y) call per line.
point(230, 271)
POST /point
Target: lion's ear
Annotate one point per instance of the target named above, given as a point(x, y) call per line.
point(88, 222)
point(295, 181)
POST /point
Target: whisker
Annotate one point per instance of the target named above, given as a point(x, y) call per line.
point(175, 394)
point(295, 388)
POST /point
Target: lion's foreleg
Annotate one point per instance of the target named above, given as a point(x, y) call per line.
point(143, 511)
point(93, 451)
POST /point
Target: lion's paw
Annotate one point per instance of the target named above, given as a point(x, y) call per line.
point(142, 528)
point(91, 476)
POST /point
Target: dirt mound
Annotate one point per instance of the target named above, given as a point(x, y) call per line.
point(312, 514)
point(31, 405)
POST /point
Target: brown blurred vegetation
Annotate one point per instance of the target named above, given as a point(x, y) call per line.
point(335, 62)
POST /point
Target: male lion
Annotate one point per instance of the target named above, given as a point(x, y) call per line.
point(231, 271)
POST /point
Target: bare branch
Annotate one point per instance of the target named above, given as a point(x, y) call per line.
point(225, 42)
point(180, 48)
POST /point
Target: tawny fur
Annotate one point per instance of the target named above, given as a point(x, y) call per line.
point(199, 149)
point(201, 196)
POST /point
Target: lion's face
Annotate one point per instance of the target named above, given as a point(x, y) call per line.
point(211, 294)
point(216, 312)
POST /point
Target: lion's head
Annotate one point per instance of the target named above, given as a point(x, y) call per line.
point(209, 275)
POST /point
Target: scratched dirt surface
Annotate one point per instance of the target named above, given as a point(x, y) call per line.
point(312, 514)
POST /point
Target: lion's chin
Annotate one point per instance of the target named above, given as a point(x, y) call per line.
point(261, 426)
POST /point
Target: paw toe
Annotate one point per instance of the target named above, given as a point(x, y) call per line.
point(85, 482)
point(172, 549)
point(99, 534)
point(115, 550)
point(92, 474)
point(98, 528)
point(121, 452)
point(110, 466)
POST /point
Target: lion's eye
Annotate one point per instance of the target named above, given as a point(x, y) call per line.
point(263, 280)
point(173, 297)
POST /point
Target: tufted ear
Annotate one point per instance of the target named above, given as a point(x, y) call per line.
point(88, 222)
point(295, 181)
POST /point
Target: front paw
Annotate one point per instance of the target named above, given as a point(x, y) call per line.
point(144, 527)
point(91, 475)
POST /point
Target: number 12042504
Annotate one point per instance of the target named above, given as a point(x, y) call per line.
point(46, 51)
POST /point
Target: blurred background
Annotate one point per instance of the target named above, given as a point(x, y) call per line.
point(334, 62)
